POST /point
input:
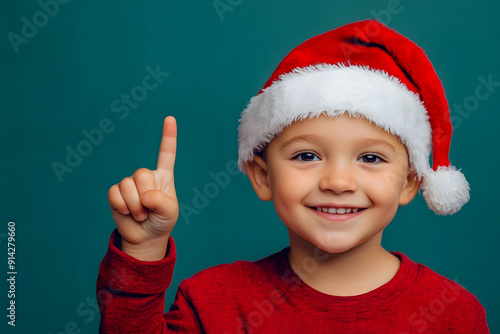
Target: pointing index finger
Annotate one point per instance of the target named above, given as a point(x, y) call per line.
point(166, 157)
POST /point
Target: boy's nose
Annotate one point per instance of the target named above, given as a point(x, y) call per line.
point(338, 178)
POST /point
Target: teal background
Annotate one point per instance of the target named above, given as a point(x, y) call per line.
point(64, 80)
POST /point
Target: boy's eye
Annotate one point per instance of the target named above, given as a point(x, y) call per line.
point(306, 156)
point(370, 159)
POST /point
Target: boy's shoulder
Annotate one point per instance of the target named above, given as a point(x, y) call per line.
point(437, 293)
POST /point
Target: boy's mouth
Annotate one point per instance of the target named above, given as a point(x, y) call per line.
point(339, 211)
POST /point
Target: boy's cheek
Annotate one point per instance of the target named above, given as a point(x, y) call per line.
point(384, 189)
point(393, 178)
point(290, 180)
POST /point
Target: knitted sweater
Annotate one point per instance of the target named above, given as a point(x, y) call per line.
point(266, 296)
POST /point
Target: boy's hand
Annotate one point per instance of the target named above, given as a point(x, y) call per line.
point(144, 206)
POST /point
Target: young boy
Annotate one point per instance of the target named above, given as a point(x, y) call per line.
point(338, 138)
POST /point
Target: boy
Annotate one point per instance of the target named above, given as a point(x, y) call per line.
point(338, 138)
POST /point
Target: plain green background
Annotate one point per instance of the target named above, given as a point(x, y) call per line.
point(64, 80)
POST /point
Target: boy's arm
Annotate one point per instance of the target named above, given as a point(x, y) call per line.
point(131, 294)
point(139, 263)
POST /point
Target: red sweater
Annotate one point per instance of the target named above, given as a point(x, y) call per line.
point(266, 296)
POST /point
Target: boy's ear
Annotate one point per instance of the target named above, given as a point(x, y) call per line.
point(410, 189)
point(257, 173)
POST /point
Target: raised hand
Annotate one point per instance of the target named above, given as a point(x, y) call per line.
point(144, 206)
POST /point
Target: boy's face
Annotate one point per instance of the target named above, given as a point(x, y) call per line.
point(337, 164)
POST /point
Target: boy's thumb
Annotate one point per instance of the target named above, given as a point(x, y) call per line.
point(160, 203)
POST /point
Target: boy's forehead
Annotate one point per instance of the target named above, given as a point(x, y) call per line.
point(322, 126)
point(325, 122)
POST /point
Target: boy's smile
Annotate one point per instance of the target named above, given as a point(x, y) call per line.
point(335, 182)
point(339, 213)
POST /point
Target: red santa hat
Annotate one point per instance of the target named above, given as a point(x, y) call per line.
point(366, 70)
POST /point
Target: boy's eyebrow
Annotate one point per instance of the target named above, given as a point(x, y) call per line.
point(376, 142)
point(307, 137)
point(363, 141)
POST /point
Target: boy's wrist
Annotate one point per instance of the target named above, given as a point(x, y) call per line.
point(153, 250)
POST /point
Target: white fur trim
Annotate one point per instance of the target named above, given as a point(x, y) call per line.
point(446, 190)
point(333, 90)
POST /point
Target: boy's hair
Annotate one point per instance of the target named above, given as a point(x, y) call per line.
point(366, 70)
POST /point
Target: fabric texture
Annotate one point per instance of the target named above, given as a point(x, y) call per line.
point(266, 296)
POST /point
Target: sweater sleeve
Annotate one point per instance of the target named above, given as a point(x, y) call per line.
point(482, 325)
point(131, 294)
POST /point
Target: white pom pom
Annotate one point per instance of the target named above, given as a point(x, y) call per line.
point(446, 190)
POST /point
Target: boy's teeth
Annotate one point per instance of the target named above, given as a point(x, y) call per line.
point(339, 211)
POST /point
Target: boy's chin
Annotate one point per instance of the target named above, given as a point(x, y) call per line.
point(329, 244)
point(334, 249)
point(336, 246)
point(325, 248)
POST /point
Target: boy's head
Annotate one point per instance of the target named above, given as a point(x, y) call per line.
point(367, 71)
point(323, 171)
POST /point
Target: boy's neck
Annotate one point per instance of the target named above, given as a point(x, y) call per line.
point(354, 272)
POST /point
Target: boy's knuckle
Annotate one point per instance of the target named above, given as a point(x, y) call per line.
point(126, 182)
point(114, 194)
point(115, 198)
point(142, 174)
point(141, 171)
point(112, 191)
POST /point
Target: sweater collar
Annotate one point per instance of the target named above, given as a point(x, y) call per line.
point(296, 288)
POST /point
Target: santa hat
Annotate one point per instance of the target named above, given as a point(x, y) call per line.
point(366, 70)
